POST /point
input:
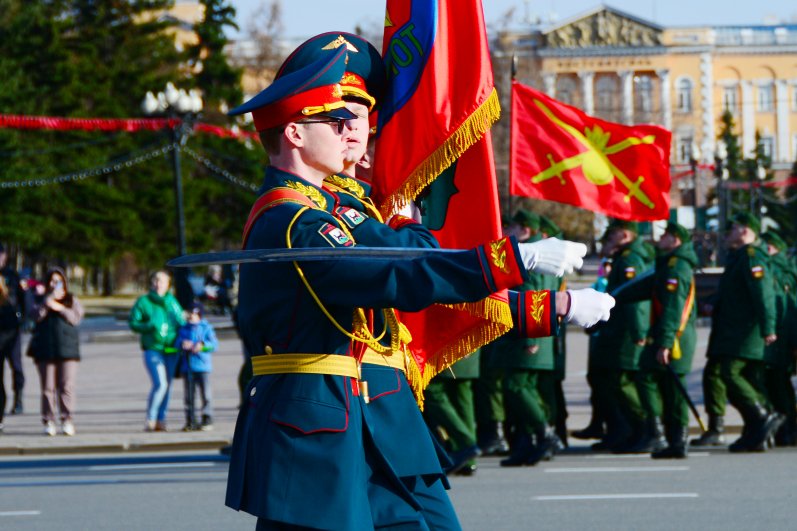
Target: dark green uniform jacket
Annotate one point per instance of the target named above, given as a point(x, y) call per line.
point(744, 311)
point(674, 309)
point(615, 346)
point(784, 276)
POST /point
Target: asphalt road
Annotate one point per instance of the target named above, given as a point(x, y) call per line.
point(576, 491)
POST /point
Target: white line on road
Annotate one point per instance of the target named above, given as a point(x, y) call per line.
point(20, 513)
point(578, 470)
point(152, 465)
point(639, 456)
point(617, 496)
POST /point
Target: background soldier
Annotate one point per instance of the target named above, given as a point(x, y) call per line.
point(620, 343)
point(743, 323)
point(671, 340)
point(778, 356)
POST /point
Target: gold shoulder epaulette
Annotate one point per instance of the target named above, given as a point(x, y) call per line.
point(313, 193)
point(348, 184)
point(750, 251)
point(672, 261)
point(627, 252)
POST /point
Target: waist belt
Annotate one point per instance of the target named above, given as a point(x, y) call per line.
point(334, 364)
point(396, 360)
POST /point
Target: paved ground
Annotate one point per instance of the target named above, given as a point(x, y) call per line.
point(113, 385)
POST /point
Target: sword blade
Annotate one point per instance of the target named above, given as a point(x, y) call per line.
point(305, 254)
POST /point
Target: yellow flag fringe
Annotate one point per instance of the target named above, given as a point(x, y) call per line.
point(468, 133)
point(499, 322)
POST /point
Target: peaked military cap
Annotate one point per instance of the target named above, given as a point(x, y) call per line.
point(310, 91)
point(527, 219)
point(678, 231)
point(365, 77)
point(774, 239)
point(633, 226)
point(748, 220)
point(548, 226)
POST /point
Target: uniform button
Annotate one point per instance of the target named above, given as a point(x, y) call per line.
point(253, 391)
point(268, 350)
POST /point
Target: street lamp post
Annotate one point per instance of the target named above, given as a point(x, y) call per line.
point(693, 162)
point(184, 105)
point(761, 174)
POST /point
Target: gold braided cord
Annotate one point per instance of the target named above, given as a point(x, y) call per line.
point(472, 129)
point(370, 341)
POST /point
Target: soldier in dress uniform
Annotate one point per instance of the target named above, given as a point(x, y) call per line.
point(743, 324)
point(305, 452)
point(615, 361)
point(778, 356)
point(671, 340)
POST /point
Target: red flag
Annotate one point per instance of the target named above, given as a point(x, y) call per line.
point(560, 153)
point(433, 137)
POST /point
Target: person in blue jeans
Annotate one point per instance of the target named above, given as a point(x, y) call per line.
point(157, 316)
point(196, 341)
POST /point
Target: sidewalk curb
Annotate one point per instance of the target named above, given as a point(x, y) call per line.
point(135, 447)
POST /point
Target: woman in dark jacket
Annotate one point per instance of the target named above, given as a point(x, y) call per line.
point(56, 349)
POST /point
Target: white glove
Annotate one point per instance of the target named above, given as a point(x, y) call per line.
point(410, 211)
point(552, 256)
point(588, 306)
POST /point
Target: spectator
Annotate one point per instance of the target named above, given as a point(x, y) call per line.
point(197, 341)
point(157, 317)
point(55, 346)
point(217, 291)
point(12, 300)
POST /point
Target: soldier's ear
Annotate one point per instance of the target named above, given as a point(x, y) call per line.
point(294, 134)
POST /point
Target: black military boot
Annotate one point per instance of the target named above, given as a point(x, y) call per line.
point(652, 439)
point(787, 434)
point(17, 409)
point(545, 447)
point(463, 458)
point(617, 433)
point(678, 445)
point(522, 447)
point(759, 426)
point(594, 430)
point(494, 442)
point(713, 436)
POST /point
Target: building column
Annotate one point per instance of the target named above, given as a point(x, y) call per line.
point(549, 79)
point(666, 98)
point(748, 119)
point(782, 101)
point(588, 91)
point(707, 105)
point(627, 84)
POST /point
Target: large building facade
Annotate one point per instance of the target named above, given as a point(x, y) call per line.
point(622, 68)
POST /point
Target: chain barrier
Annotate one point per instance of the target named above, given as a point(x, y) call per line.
point(119, 165)
point(219, 171)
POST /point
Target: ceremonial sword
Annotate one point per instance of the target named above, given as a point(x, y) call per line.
point(307, 254)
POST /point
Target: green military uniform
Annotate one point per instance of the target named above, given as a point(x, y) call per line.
point(489, 397)
point(744, 314)
point(617, 349)
point(778, 356)
point(671, 289)
point(449, 412)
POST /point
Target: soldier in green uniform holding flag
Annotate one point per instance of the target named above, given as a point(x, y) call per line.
point(743, 323)
point(620, 342)
point(671, 340)
point(778, 356)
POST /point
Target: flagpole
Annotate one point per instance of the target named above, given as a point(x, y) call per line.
point(512, 76)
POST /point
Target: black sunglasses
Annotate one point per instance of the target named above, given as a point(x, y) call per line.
point(340, 121)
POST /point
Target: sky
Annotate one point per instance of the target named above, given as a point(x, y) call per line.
point(304, 18)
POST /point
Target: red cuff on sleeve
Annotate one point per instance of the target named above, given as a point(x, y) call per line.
point(537, 312)
point(398, 221)
point(503, 264)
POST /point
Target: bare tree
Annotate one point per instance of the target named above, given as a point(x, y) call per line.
point(264, 48)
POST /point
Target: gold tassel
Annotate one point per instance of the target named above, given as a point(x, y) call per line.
point(468, 133)
point(499, 318)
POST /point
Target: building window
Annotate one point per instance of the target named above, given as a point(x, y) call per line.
point(643, 92)
point(566, 90)
point(683, 95)
point(605, 89)
point(768, 147)
point(683, 149)
point(766, 99)
point(730, 99)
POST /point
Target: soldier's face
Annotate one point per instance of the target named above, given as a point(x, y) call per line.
point(323, 147)
point(357, 140)
point(738, 236)
point(668, 242)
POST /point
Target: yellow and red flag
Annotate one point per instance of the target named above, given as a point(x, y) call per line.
point(433, 141)
point(562, 154)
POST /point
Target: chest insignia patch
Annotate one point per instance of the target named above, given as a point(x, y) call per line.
point(630, 272)
point(757, 271)
point(351, 217)
point(334, 236)
point(672, 284)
